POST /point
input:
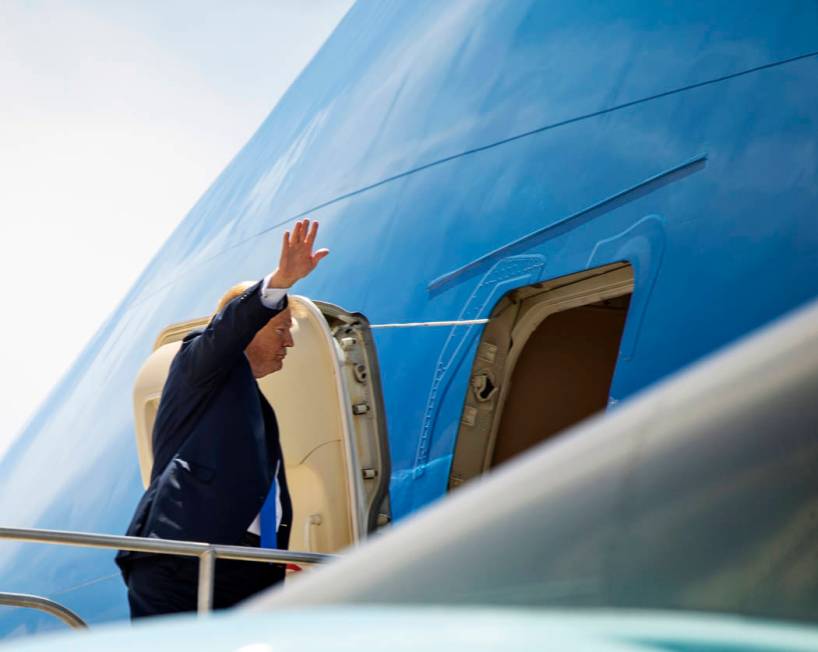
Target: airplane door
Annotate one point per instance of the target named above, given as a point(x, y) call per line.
point(329, 408)
point(330, 411)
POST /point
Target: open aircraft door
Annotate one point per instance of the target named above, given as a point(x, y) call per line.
point(329, 407)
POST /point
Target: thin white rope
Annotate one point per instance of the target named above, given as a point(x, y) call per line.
point(462, 322)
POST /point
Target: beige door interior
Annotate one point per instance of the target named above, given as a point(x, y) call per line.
point(328, 404)
point(545, 361)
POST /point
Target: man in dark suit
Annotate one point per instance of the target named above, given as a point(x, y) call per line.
point(218, 473)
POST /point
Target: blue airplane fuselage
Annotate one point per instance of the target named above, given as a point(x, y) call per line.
point(453, 152)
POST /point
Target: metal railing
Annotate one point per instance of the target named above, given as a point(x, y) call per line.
point(206, 552)
point(43, 604)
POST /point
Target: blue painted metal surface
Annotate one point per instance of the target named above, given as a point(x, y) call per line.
point(535, 138)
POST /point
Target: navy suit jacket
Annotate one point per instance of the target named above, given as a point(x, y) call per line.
point(215, 440)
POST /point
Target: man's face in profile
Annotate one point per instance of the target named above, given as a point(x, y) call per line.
point(267, 350)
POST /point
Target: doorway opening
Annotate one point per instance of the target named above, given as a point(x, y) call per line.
point(544, 363)
point(329, 408)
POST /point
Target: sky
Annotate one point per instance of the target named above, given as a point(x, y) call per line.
point(115, 117)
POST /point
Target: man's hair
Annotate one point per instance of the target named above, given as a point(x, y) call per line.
point(232, 293)
point(297, 310)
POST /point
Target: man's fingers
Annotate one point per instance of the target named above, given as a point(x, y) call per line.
point(297, 259)
point(297, 233)
point(311, 235)
point(319, 255)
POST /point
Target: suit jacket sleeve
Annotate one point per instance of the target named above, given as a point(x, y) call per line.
point(216, 349)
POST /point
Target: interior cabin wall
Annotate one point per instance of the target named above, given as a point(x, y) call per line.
point(562, 376)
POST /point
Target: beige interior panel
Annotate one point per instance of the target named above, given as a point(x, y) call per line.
point(562, 376)
point(320, 515)
point(146, 394)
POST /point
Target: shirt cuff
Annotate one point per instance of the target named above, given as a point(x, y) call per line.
point(272, 298)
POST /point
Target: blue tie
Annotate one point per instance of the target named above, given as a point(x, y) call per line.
point(267, 519)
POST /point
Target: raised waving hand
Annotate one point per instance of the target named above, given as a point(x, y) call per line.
point(297, 257)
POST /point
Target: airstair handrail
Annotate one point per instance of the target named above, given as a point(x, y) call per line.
point(43, 604)
point(206, 552)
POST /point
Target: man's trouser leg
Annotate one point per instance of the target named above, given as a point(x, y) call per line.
point(164, 584)
point(238, 580)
